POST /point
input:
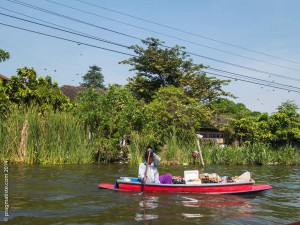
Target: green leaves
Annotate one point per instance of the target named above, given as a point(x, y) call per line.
point(93, 78)
point(158, 66)
point(281, 127)
point(26, 89)
point(4, 55)
point(110, 116)
point(172, 109)
point(285, 124)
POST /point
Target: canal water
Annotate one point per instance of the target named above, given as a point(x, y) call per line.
point(68, 194)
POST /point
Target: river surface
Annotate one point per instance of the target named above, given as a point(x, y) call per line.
point(69, 194)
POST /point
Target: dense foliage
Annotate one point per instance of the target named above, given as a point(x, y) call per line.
point(25, 89)
point(157, 66)
point(168, 100)
point(279, 128)
point(173, 112)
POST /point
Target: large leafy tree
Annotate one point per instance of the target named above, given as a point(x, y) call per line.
point(26, 88)
point(158, 66)
point(3, 55)
point(172, 111)
point(93, 78)
point(230, 109)
point(285, 123)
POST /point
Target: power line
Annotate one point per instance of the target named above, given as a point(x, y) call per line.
point(171, 36)
point(47, 22)
point(71, 32)
point(253, 82)
point(187, 32)
point(120, 33)
point(69, 18)
point(119, 52)
point(245, 67)
point(124, 46)
point(65, 39)
point(238, 76)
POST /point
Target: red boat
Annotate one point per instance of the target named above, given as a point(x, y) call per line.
point(234, 187)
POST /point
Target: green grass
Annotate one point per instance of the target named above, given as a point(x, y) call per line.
point(257, 154)
point(54, 138)
point(61, 138)
point(138, 145)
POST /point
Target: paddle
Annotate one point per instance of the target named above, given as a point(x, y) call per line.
point(146, 171)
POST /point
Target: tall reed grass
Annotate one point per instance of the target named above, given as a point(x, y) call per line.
point(176, 151)
point(138, 145)
point(53, 138)
point(27, 136)
point(256, 154)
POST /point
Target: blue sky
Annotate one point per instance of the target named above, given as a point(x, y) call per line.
point(269, 26)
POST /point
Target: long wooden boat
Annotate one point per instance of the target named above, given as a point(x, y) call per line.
point(134, 185)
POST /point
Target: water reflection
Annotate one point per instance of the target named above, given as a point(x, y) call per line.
point(194, 206)
point(146, 204)
point(189, 215)
point(216, 201)
point(149, 202)
point(216, 205)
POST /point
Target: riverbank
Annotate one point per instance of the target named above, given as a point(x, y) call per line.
point(61, 138)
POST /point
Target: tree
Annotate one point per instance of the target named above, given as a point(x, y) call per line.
point(173, 111)
point(93, 78)
point(285, 123)
point(290, 109)
point(229, 108)
point(4, 99)
point(26, 88)
point(158, 67)
point(110, 117)
point(282, 127)
point(3, 55)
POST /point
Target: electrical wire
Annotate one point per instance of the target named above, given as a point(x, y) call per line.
point(187, 32)
point(198, 55)
point(69, 18)
point(238, 76)
point(119, 52)
point(65, 39)
point(71, 32)
point(47, 22)
point(253, 82)
point(121, 45)
point(171, 36)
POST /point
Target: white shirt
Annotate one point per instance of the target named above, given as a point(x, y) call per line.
point(152, 172)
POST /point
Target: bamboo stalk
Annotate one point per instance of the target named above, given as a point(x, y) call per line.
point(23, 143)
point(200, 151)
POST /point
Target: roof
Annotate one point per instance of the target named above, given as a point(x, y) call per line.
point(72, 91)
point(216, 122)
point(4, 77)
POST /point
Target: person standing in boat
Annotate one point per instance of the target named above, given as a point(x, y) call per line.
point(152, 175)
